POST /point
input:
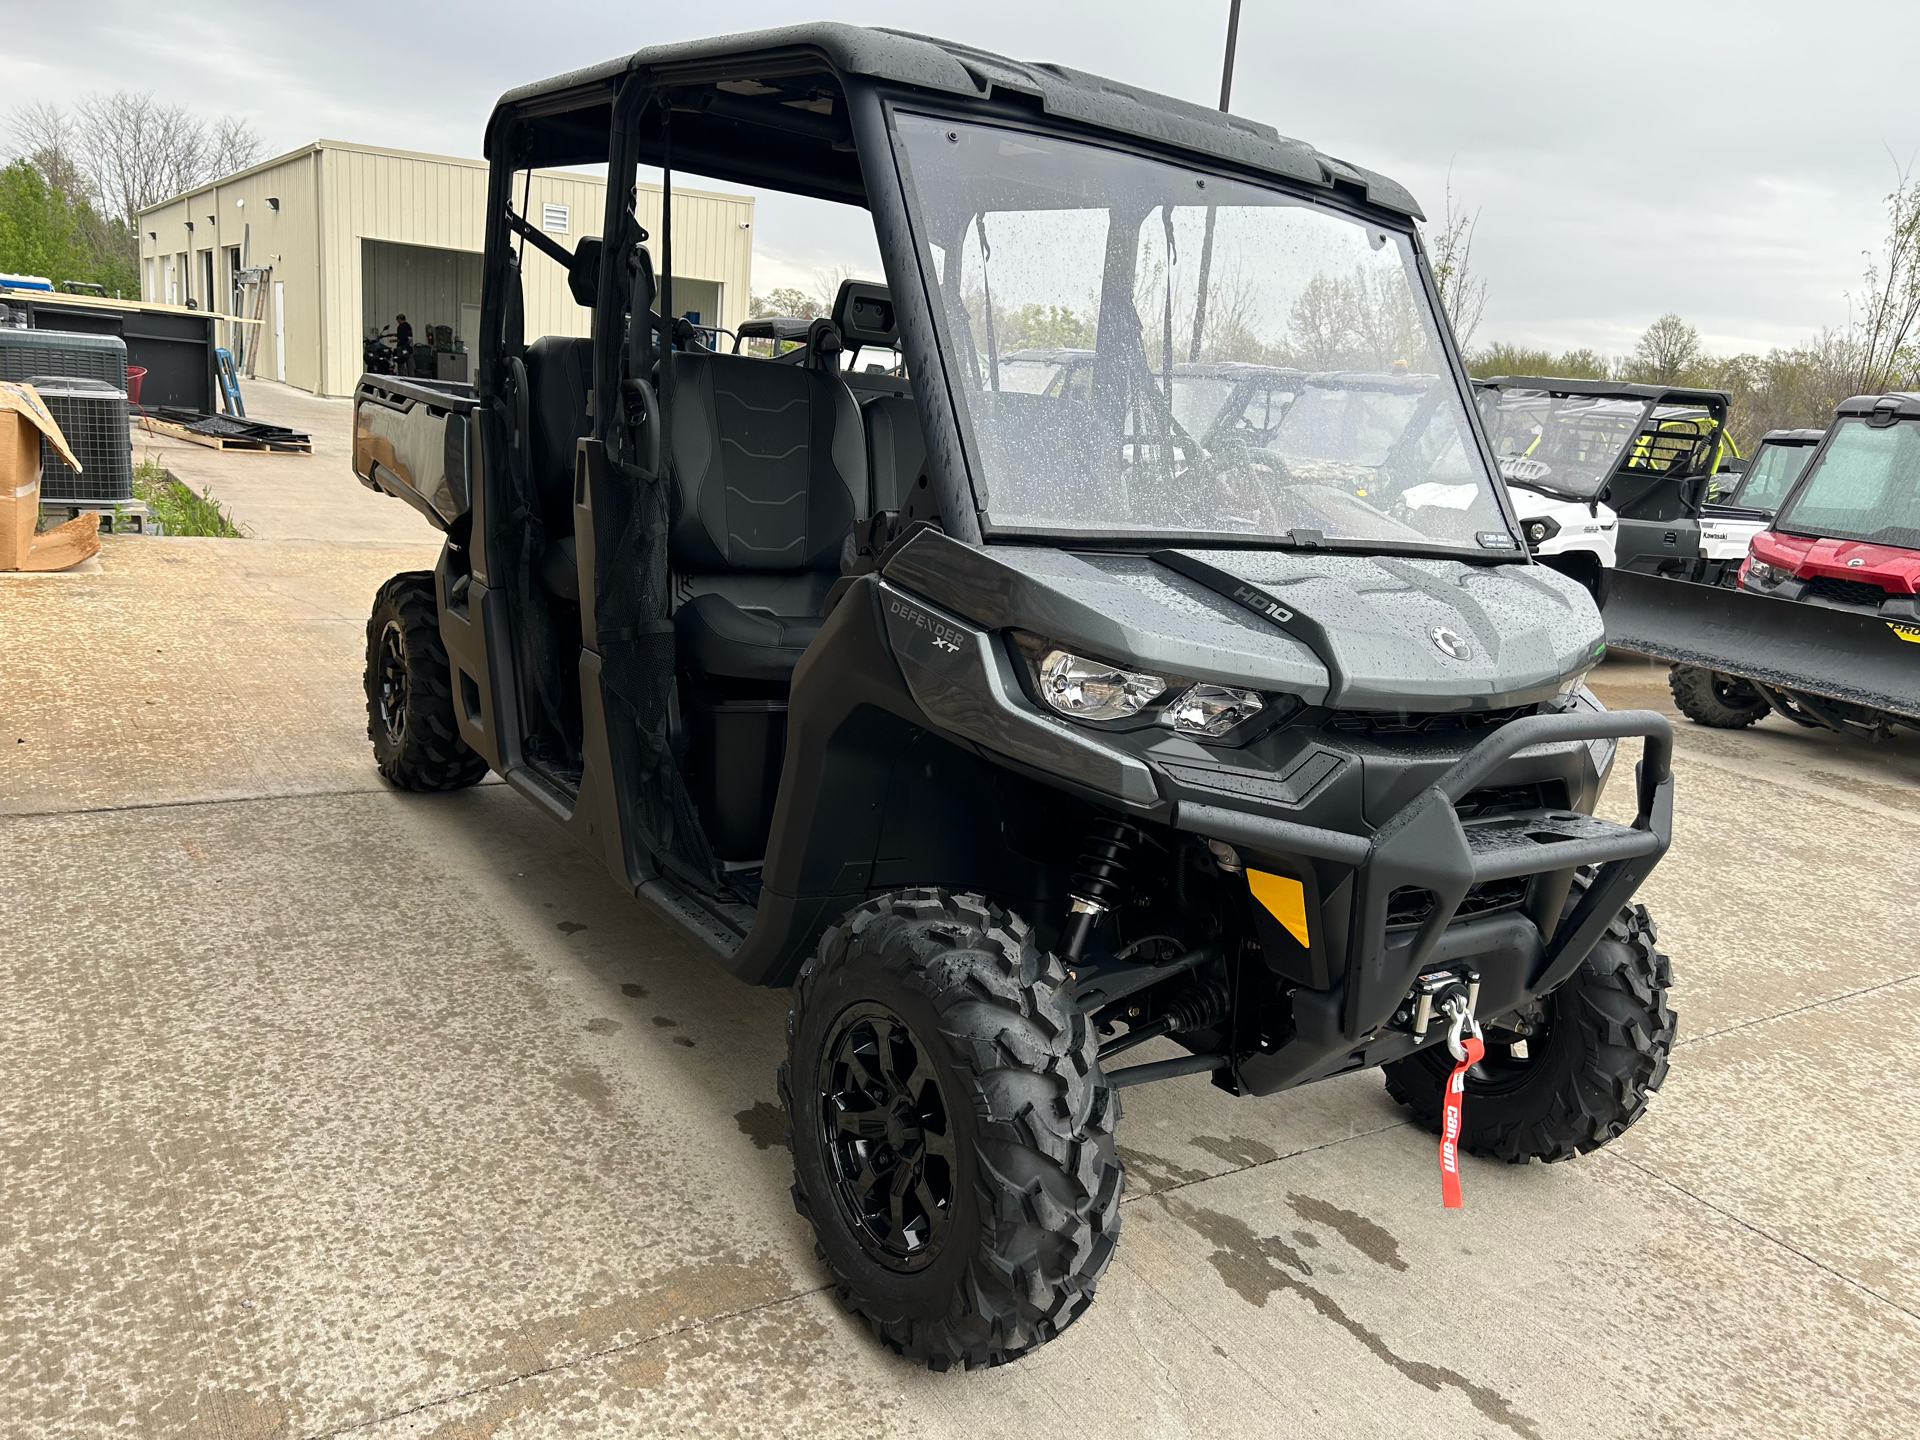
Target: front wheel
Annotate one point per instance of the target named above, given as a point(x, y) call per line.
point(952, 1134)
point(1707, 697)
point(1594, 1050)
point(410, 719)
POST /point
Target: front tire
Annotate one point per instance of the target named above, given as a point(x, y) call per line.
point(410, 719)
point(1599, 1049)
point(1707, 697)
point(952, 1134)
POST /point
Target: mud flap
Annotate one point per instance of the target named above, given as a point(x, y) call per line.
point(1790, 644)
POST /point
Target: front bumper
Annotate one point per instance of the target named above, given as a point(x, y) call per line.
point(1426, 845)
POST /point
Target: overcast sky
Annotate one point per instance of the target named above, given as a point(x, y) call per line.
point(1728, 161)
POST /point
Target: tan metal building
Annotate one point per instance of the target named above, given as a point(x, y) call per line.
point(341, 238)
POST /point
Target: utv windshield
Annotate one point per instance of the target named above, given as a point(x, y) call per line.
point(1771, 476)
point(1563, 444)
point(1866, 486)
point(1156, 280)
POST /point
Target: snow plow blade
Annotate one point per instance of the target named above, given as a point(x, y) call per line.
point(1789, 644)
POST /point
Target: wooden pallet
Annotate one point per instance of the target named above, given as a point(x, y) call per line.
point(156, 426)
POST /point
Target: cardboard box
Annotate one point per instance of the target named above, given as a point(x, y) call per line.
point(23, 420)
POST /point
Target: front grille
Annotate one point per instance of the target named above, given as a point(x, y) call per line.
point(1846, 592)
point(1390, 723)
point(1512, 799)
point(1410, 905)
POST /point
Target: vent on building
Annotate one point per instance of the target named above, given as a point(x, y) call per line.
point(554, 218)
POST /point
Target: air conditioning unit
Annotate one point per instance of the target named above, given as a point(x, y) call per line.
point(93, 416)
point(68, 354)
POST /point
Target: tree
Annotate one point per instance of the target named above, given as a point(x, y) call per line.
point(1046, 327)
point(1317, 323)
point(1463, 294)
point(45, 135)
point(1883, 333)
point(122, 152)
point(1665, 351)
point(788, 300)
point(826, 286)
point(44, 231)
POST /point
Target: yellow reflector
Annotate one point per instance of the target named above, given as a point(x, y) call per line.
point(1285, 899)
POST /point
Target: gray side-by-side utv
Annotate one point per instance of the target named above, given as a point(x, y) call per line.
point(1015, 730)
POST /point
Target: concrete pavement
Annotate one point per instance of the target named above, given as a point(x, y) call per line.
point(288, 497)
point(330, 1110)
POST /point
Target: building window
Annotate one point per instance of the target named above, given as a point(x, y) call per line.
point(554, 218)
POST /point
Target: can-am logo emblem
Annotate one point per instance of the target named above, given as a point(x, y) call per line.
point(1856, 563)
point(1448, 643)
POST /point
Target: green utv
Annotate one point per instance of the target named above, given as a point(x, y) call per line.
point(1017, 730)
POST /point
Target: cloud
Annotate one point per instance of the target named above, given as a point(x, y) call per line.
point(1725, 160)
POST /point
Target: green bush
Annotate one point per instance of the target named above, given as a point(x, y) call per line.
point(178, 509)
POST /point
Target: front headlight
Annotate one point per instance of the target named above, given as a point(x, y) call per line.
point(1765, 574)
point(1213, 709)
point(1093, 689)
point(1541, 530)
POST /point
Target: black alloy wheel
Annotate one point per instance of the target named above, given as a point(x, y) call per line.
point(391, 680)
point(951, 1130)
point(1512, 1056)
point(409, 684)
point(884, 1125)
point(1595, 1055)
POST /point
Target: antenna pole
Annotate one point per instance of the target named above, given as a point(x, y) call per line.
point(1233, 37)
point(1206, 244)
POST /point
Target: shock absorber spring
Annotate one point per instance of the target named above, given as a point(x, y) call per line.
point(1094, 888)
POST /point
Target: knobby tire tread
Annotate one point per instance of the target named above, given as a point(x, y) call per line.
point(1048, 1181)
point(431, 756)
point(1695, 698)
point(1614, 1011)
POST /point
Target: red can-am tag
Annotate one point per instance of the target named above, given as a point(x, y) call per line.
point(1450, 1116)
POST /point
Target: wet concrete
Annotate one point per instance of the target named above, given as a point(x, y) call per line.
point(330, 1110)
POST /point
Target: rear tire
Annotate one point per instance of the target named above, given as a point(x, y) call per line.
point(410, 718)
point(1707, 697)
point(1607, 1034)
point(952, 1134)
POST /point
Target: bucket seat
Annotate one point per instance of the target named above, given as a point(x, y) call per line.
point(559, 374)
point(769, 473)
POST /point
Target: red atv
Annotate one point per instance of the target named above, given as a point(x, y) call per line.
point(1847, 538)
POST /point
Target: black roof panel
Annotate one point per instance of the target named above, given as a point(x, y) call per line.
point(942, 67)
point(1903, 404)
point(1605, 389)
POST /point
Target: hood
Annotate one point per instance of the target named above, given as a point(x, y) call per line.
point(1891, 567)
point(1351, 632)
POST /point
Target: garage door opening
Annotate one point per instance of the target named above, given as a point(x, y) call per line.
point(438, 291)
